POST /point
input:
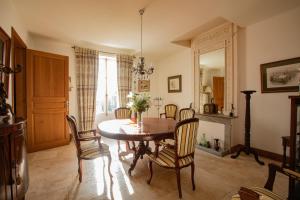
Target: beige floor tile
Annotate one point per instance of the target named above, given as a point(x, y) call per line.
point(53, 176)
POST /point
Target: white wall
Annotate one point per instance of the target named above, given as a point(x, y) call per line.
point(274, 39)
point(176, 64)
point(271, 40)
point(9, 18)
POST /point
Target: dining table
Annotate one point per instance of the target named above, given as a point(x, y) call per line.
point(149, 129)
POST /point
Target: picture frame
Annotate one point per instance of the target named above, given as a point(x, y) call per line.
point(144, 86)
point(174, 84)
point(280, 76)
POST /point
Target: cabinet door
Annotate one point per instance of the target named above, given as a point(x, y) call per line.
point(5, 176)
point(20, 169)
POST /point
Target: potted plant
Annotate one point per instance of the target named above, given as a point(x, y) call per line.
point(139, 103)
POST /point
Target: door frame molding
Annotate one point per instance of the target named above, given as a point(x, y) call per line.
point(16, 39)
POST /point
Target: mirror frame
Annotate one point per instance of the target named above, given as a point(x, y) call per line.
point(222, 36)
point(6, 55)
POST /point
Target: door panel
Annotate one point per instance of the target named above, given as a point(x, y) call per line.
point(47, 80)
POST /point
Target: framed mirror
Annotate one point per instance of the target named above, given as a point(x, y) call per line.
point(215, 61)
point(4, 57)
point(212, 78)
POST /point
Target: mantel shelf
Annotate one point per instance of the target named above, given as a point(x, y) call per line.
point(217, 115)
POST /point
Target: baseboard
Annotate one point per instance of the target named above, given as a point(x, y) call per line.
point(263, 153)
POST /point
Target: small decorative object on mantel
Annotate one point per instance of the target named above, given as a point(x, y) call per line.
point(280, 76)
point(174, 84)
point(139, 103)
point(210, 108)
point(246, 147)
point(231, 114)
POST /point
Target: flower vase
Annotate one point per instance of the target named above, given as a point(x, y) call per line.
point(139, 118)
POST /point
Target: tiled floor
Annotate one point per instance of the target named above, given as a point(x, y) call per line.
point(53, 175)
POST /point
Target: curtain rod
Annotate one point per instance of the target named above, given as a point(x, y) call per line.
point(73, 47)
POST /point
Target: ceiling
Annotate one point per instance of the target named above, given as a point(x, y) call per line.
point(213, 60)
point(116, 23)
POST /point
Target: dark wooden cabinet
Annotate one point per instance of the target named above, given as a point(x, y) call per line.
point(294, 141)
point(14, 179)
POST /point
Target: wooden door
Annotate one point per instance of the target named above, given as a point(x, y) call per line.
point(47, 100)
point(218, 91)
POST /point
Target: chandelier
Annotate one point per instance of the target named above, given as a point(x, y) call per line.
point(140, 70)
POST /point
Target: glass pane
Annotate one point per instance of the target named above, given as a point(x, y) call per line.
point(100, 99)
point(112, 85)
point(211, 76)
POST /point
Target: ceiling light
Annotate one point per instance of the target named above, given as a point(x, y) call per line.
point(140, 70)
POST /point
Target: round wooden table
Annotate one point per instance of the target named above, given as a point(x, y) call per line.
point(151, 129)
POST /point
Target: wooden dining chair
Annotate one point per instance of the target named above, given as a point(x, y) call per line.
point(184, 113)
point(124, 113)
point(182, 155)
point(170, 111)
point(86, 146)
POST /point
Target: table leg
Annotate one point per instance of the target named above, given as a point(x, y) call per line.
point(142, 149)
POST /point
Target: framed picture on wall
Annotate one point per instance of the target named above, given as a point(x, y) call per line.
point(280, 76)
point(144, 86)
point(174, 84)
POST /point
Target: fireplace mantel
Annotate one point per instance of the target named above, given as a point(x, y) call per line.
point(228, 123)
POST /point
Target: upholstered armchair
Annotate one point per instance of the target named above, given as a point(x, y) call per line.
point(184, 113)
point(182, 155)
point(170, 111)
point(257, 193)
point(88, 147)
point(124, 113)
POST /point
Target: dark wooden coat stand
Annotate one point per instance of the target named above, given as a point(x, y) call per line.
point(247, 148)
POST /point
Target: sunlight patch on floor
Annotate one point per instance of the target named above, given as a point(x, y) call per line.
point(98, 165)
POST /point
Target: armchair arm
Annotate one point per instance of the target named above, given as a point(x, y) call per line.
point(90, 138)
point(273, 168)
point(87, 131)
point(166, 144)
point(161, 114)
point(292, 174)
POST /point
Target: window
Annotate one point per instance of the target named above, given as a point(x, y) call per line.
point(107, 99)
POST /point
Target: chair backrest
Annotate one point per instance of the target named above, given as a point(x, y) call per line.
point(123, 113)
point(170, 110)
point(186, 137)
point(186, 113)
point(74, 130)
